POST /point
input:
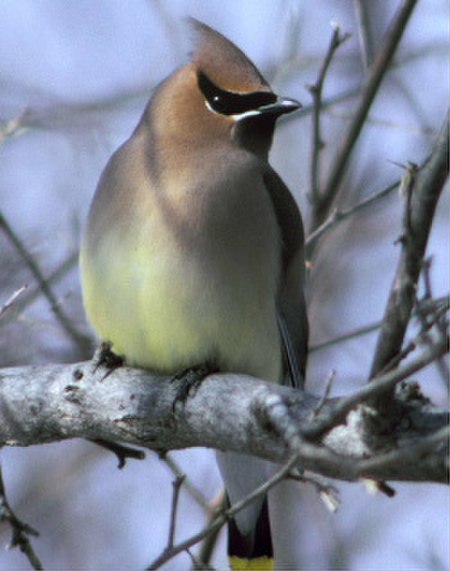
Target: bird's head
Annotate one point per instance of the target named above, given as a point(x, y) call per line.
point(218, 97)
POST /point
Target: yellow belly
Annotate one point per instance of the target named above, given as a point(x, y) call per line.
point(165, 314)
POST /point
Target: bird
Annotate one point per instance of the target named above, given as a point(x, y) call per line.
point(193, 250)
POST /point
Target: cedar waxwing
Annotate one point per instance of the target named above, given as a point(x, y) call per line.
point(193, 250)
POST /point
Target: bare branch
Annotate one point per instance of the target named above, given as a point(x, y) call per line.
point(56, 402)
point(20, 530)
point(191, 489)
point(209, 544)
point(11, 300)
point(177, 483)
point(364, 33)
point(377, 72)
point(423, 188)
point(381, 384)
point(357, 332)
point(225, 516)
point(338, 216)
point(33, 293)
point(316, 91)
point(433, 311)
point(82, 341)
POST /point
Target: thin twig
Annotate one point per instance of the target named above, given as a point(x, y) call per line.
point(338, 216)
point(364, 33)
point(198, 564)
point(177, 483)
point(223, 517)
point(11, 300)
point(328, 493)
point(81, 340)
point(378, 70)
point(193, 490)
point(438, 304)
point(123, 453)
point(210, 542)
point(423, 188)
point(355, 333)
point(429, 312)
point(326, 393)
point(407, 453)
point(202, 561)
point(387, 381)
point(327, 103)
point(316, 92)
point(34, 292)
point(20, 530)
point(401, 355)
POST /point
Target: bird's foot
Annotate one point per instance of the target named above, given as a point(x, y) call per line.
point(189, 381)
point(104, 357)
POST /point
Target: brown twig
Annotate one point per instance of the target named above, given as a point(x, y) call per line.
point(190, 488)
point(326, 394)
point(177, 483)
point(415, 452)
point(33, 293)
point(423, 188)
point(358, 332)
point(82, 341)
point(338, 216)
point(432, 311)
point(316, 91)
point(364, 33)
point(210, 542)
point(123, 453)
point(378, 70)
point(385, 382)
point(20, 530)
point(328, 493)
point(223, 517)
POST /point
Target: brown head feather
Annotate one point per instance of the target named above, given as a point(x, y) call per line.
point(223, 62)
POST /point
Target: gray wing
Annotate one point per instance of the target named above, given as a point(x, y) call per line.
point(292, 316)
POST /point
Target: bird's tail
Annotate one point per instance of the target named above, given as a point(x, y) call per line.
point(249, 536)
point(254, 551)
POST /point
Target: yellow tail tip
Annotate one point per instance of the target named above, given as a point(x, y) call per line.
point(255, 564)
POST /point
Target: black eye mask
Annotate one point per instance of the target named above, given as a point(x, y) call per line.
point(229, 103)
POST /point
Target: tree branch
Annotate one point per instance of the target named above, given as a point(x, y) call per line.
point(377, 72)
point(80, 340)
point(339, 215)
point(33, 292)
point(364, 33)
point(229, 412)
point(20, 530)
point(222, 518)
point(423, 188)
point(316, 91)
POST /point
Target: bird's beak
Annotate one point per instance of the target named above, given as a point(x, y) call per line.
point(281, 106)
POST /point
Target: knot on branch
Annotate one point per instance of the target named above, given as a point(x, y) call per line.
point(402, 420)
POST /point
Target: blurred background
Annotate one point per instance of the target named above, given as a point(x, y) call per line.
point(74, 80)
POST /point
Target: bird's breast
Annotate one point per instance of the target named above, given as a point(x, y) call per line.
point(193, 278)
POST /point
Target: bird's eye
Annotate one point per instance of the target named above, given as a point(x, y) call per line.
point(229, 103)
